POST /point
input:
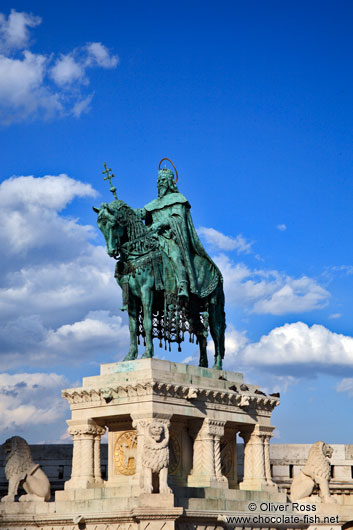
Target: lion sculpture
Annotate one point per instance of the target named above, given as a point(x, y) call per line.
point(21, 470)
point(315, 471)
point(155, 458)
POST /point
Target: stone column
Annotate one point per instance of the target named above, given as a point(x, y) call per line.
point(76, 456)
point(257, 475)
point(268, 475)
point(206, 469)
point(86, 454)
point(248, 463)
point(97, 456)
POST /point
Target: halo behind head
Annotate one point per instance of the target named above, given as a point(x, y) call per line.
point(176, 173)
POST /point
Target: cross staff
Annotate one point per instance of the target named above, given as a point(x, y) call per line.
point(109, 177)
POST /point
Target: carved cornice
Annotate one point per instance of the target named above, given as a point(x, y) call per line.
point(244, 400)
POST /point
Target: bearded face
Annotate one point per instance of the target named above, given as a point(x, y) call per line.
point(165, 182)
point(163, 185)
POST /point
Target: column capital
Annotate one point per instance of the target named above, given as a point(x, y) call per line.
point(212, 428)
point(90, 427)
point(256, 431)
point(141, 421)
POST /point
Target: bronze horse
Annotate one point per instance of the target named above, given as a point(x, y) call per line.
point(154, 309)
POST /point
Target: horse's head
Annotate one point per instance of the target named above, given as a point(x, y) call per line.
point(112, 223)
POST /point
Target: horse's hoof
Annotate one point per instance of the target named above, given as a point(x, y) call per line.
point(147, 355)
point(203, 364)
point(130, 357)
point(216, 367)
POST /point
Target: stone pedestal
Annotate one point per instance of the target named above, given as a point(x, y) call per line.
point(202, 410)
point(171, 451)
point(197, 414)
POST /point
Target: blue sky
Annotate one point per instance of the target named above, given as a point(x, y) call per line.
point(253, 103)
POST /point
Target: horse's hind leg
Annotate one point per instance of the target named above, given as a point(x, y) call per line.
point(133, 323)
point(199, 331)
point(217, 324)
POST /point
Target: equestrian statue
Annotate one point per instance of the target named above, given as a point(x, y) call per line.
point(170, 285)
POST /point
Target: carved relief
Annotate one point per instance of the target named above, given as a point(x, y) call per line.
point(155, 457)
point(226, 457)
point(174, 454)
point(125, 453)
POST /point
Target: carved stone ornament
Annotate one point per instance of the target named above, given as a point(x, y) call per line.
point(20, 468)
point(224, 397)
point(155, 457)
point(226, 457)
point(315, 471)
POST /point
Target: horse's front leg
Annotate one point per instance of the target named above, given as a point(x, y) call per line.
point(203, 350)
point(133, 323)
point(147, 301)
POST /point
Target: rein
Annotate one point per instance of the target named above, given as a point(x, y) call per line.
point(129, 243)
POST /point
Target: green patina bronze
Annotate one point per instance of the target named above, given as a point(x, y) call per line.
point(170, 284)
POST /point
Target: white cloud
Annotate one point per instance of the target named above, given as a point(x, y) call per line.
point(14, 32)
point(26, 79)
point(295, 296)
point(66, 71)
point(98, 331)
point(82, 106)
point(297, 343)
point(288, 353)
point(220, 241)
point(23, 92)
point(346, 386)
point(29, 214)
point(269, 291)
point(335, 315)
point(71, 68)
point(30, 400)
point(282, 227)
point(50, 192)
point(52, 275)
point(348, 269)
point(98, 54)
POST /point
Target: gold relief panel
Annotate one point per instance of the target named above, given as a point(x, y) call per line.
point(125, 451)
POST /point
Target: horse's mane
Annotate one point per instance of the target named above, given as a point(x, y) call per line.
point(124, 215)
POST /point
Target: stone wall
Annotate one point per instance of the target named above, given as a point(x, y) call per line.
point(286, 461)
